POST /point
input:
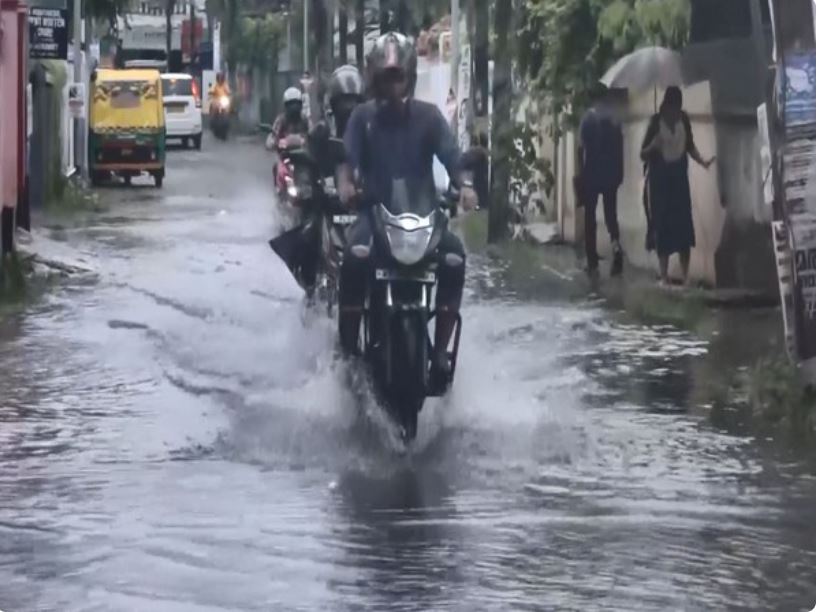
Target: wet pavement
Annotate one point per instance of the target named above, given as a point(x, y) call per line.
point(175, 435)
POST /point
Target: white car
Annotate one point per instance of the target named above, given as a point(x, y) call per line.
point(182, 102)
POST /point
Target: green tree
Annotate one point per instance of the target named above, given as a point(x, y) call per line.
point(566, 45)
point(107, 10)
point(257, 42)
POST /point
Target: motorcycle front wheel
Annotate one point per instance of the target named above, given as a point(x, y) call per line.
point(407, 412)
point(409, 364)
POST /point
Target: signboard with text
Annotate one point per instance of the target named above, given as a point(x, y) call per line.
point(48, 33)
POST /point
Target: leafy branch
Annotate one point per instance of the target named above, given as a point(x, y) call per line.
point(564, 46)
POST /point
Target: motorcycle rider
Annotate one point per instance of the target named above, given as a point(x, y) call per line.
point(290, 122)
point(345, 92)
point(393, 137)
point(218, 90)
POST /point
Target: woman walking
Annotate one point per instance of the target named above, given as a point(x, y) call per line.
point(667, 146)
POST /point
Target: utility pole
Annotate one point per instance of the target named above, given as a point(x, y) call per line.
point(192, 34)
point(289, 40)
point(343, 33)
point(360, 33)
point(170, 7)
point(455, 46)
point(306, 35)
point(480, 51)
point(79, 162)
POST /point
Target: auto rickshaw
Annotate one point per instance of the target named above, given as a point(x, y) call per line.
point(127, 125)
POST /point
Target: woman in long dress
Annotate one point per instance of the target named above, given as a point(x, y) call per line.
point(666, 148)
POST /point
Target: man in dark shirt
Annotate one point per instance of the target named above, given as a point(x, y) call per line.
point(601, 172)
point(390, 138)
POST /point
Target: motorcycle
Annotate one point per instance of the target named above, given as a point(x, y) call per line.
point(220, 117)
point(313, 249)
point(397, 345)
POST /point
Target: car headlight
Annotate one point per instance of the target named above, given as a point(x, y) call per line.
point(408, 247)
point(224, 102)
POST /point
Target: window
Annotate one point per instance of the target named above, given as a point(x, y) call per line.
point(124, 94)
point(177, 87)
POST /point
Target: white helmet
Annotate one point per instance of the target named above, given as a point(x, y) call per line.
point(292, 94)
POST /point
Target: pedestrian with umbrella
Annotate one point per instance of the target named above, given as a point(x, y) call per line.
point(666, 150)
point(667, 147)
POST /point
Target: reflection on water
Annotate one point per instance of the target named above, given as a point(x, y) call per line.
point(168, 443)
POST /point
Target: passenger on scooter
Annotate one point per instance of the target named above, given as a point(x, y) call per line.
point(345, 93)
point(391, 137)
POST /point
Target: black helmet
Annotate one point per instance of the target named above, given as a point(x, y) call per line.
point(345, 81)
point(393, 51)
point(345, 91)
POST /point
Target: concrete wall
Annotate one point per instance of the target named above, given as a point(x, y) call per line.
point(745, 255)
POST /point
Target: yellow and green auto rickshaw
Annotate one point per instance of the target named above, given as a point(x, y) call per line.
point(127, 125)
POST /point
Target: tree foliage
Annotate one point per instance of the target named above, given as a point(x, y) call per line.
point(564, 46)
point(107, 10)
point(257, 41)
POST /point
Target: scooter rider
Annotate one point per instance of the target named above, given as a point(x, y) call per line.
point(391, 137)
point(218, 90)
point(291, 122)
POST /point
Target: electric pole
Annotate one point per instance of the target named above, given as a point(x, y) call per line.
point(192, 34)
point(306, 35)
point(79, 124)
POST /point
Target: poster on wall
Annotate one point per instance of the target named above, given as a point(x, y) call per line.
point(464, 97)
point(48, 33)
point(798, 166)
point(782, 257)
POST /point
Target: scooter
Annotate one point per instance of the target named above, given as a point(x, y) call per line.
point(294, 173)
point(220, 117)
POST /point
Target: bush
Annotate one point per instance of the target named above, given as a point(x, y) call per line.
point(778, 395)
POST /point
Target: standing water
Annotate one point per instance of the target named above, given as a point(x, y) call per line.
point(176, 435)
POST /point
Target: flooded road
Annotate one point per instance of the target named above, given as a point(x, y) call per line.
point(175, 437)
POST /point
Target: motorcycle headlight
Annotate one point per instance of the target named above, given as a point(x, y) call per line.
point(408, 246)
point(224, 102)
point(292, 190)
